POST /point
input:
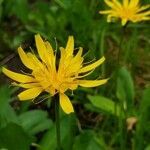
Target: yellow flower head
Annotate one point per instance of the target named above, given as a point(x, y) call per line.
point(46, 77)
point(130, 10)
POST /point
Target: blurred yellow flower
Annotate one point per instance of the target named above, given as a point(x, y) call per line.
point(46, 76)
point(129, 10)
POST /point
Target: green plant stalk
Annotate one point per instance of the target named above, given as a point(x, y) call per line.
point(57, 119)
point(102, 41)
point(121, 121)
point(131, 45)
point(123, 32)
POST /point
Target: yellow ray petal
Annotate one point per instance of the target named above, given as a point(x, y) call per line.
point(126, 2)
point(146, 18)
point(70, 46)
point(51, 90)
point(65, 103)
point(117, 3)
point(123, 22)
point(62, 56)
point(133, 3)
point(25, 59)
point(51, 58)
point(79, 54)
point(17, 76)
point(49, 48)
point(105, 11)
point(146, 13)
point(109, 18)
point(110, 4)
point(143, 8)
point(61, 61)
point(73, 86)
point(27, 85)
point(35, 61)
point(75, 63)
point(92, 83)
point(42, 51)
point(30, 93)
point(62, 51)
point(92, 66)
point(84, 75)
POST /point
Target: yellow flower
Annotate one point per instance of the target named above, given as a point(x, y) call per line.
point(45, 76)
point(130, 10)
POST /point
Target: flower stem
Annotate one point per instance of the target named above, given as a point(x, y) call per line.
point(57, 118)
point(121, 42)
point(102, 42)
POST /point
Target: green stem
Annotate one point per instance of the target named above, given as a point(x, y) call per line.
point(123, 32)
point(121, 120)
point(57, 117)
point(102, 42)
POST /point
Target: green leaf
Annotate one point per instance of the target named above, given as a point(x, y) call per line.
point(86, 141)
point(148, 147)
point(145, 103)
point(64, 3)
point(35, 121)
point(105, 104)
point(21, 10)
point(142, 129)
point(1, 9)
point(13, 137)
point(125, 88)
point(7, 114)
point(49, 141)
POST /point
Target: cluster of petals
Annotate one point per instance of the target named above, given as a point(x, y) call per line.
point(52, 76)
point(128, 10)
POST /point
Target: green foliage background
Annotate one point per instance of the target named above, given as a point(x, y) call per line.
point(100, 120)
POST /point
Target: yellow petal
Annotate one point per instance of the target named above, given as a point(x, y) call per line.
point(84, 75)
point(42, 51)
point(92, 66)
point(62, 51)
point(49, 48)
point(30, 93)
point(144, 13)
point(25, 59)
point(109, 18)
point(105, 12)
point(92, 83)
point(79, 54)
point(17, 76)
point(133, 3)
point(117, 3)
point(126, 2)
point(27, 85)
point(146, 18)
point(65, 103)
point(62, 60)
point(73, 86)
point(143, 8)
point(75, 63)
point(51, 58)
point(51, 90)
point(110, 4)
point(62, 56)
point(124, 21)
point(70, 46)
point(35, 61)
